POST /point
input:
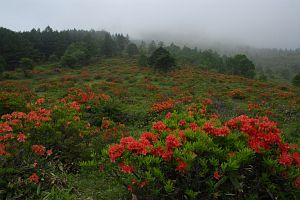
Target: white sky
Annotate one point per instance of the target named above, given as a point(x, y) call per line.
point(260, 23)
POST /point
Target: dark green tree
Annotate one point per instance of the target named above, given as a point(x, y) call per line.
point(109, 47)
point(296, 80)
point(161, 60)
point(151, 47)
point(142, 60)
point(75, 55)
point(2, 65)
point(26, 63)
point(132, 49)
point(240, 65)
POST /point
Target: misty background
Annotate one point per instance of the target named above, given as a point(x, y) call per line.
point(207, 23)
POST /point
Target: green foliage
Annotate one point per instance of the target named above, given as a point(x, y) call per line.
point(132, 49)
point(241, 65)
point(161, 60)
point(201, 166)
point(296, 80)
point(143, 60)
point(26, 64)
point(2, 65)
point(75, 55)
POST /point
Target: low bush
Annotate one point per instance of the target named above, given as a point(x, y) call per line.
point(194, 156)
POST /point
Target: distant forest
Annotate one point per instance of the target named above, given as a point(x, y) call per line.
point(81, 47)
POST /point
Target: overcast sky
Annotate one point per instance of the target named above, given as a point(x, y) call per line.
point(260, 23)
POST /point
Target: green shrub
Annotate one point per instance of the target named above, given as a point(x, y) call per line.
point(190, 156)
point(75, 55)
point(161, 60)
point(296, 80)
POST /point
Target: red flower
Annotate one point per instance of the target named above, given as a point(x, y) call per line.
point(167, 154)
point(4, 128)
point(101, 168)
point(223, 131)
point(40, 101)
point(21, 137)
point(49, 152)
point(285, 159)
point(159, 126)
point(296, 157)
point(130, 188)
point(2, 150)
point(34, 178)
point(194, 126)
point(6, 137)
point(168, 115)
point(297, 182)
point(217, 175)
point(142, 184)
point(172, 142)
point(75, 105)
point(149, 136)
point(38, 149)
point(35, 163)
point(127, 169)
point(181, 134)
point(181, 166)
point(182, 123)
point(115, 151)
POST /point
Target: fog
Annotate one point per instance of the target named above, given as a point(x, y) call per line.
point(257, 23)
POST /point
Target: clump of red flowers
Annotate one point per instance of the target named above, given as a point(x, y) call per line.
point(38, 149)
point(159, 126)
point(34, 178)
point(160, 106)
point(127, 169)
point(209, 128)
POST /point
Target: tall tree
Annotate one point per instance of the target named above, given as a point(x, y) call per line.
point(241, 65)
point(161, 60)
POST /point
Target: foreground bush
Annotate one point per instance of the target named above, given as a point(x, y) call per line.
point(193, 156)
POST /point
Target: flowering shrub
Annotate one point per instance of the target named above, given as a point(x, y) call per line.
point(193, 155)
point(33, 143)
point(22, 160)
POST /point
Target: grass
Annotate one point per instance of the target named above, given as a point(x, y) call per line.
point(135, 89)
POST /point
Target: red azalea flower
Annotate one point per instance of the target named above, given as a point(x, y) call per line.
point(297, 182)
point(101, 168)
point(35, 163)
point(182, 122)
point(2, 150)
point(181, 166)
point(127, 169)
point(38, 149)
point(285, 159)
point(217, 175)
point(115, 151)
point(142, 184)
point(194, 126)
point(4, 128)
point(21, 137)
point(49, 152)
point(34, 178)
point(40, 101)
point(159, 126)
point(130, 188)
point(296, 157)
point(172, 142)
point(168, 115)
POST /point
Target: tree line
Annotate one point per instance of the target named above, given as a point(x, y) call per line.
point(51, 45)
point(78, 47)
